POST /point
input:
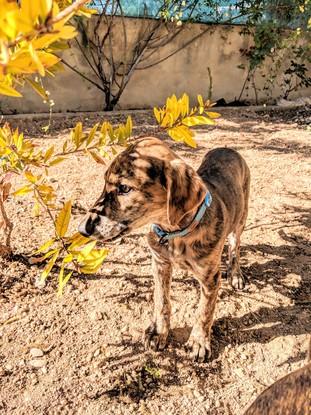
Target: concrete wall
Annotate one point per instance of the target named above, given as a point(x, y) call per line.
point(187, 71)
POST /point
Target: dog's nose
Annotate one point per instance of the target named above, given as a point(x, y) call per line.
point(87, 227)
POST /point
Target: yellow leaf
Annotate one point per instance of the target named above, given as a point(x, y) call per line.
point(36, 60)
point(49, 266)
point(213, 114)
point(190, 141)
point(48, 153)
point(182, 133)
point(129, 126)
point(157, 114)
point(184, 104)
point(22, 191)
point(92, 134)
point(56, 161)
point(200, 101)
point(38, 89)
point(87, 249)
point(62, 280)
point(45, 8)
point(63, 218)
point(94, 261)
point(45, 246)
point(8, 90)
point(36, 209)
point(97, 157)
point(30, 177)
point(65, 145)
point(77, 240)
point(68, 258)
point(197, 120)
point(29, 12)
point(38, 260)
point(67, 32)
point(77, 134)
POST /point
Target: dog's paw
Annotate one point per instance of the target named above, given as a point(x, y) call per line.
point(155, 340)
point(199, 347)
point(237, 281)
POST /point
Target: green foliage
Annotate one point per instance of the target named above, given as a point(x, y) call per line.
point(282, 36)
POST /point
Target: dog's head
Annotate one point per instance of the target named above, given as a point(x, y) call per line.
point(145, 183)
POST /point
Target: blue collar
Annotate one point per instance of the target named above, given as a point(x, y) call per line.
point(166, 236)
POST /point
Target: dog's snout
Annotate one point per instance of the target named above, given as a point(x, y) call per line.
point(87, 227)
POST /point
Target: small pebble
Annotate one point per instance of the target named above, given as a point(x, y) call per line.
point(35, 352)
point(37, 363)
point(197, 394)
point(8, 367)
point(97, 352)
point(96, 315)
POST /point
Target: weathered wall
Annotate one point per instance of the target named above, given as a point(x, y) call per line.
point(186, 71)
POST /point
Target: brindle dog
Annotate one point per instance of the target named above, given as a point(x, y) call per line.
point(148, 183)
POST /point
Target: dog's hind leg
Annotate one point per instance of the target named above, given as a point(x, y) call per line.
point(234, 273)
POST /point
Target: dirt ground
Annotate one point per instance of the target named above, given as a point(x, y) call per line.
point(82, 353)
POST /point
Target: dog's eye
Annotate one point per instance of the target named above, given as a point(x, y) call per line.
point(123, 189)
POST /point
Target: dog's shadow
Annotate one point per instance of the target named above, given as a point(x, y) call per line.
point(261, 326)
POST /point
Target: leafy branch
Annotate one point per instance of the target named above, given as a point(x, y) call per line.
point(21, 157)
point(176, 117)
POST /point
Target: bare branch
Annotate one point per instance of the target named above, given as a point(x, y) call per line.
point(83, 76)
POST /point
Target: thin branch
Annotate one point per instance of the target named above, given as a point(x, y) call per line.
point(66, 12)
point(8, 226)
point(184, 46)
point(82, 75)
point(86, 58)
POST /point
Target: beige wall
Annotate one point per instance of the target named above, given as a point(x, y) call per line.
point(186, 71)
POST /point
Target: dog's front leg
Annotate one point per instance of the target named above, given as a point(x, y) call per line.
point(200, 338)
point(157, 333)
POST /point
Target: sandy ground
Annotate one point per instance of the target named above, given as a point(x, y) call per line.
point(92, 358)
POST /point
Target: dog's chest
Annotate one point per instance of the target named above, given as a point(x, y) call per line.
point(183, 256)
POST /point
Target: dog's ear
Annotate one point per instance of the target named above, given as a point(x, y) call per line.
point(185, 191)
